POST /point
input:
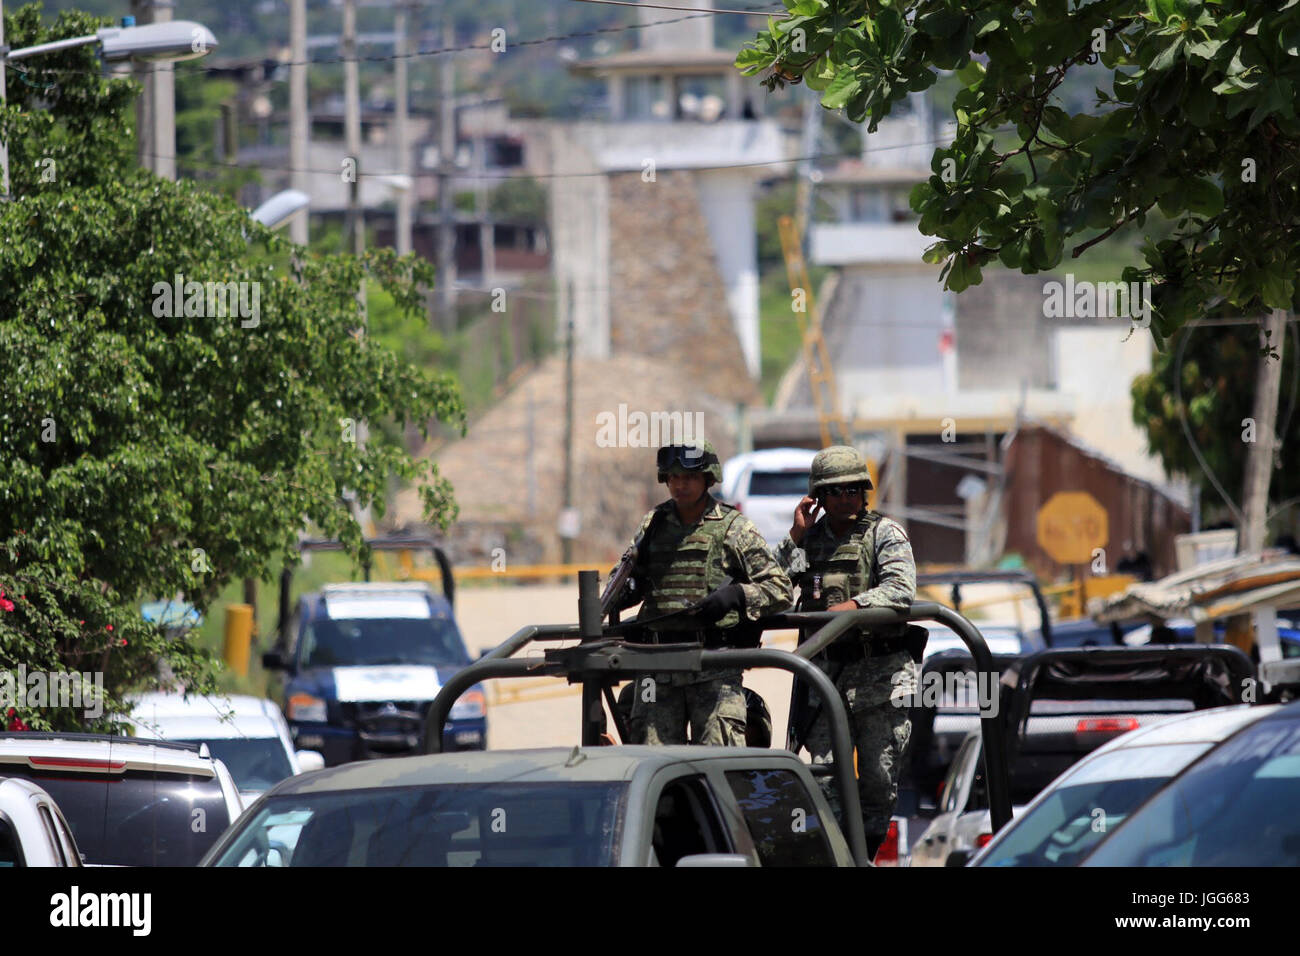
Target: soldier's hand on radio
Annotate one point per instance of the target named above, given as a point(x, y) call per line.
point(721, 602)
point(804, 517)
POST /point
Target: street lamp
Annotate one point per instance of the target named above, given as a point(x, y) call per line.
point(280, 208)
point(174, 40)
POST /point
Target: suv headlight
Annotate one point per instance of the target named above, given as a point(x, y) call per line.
point(306, 707)
point(470, 706)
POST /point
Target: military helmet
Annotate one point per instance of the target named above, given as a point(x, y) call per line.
point(837, 465)
point(689, 458)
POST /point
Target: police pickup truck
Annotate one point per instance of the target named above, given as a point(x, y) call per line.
point(579, 806)
point(362, 661)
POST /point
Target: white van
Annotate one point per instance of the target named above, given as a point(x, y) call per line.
point(767, 486)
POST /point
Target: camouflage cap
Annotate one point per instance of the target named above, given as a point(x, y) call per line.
point(838, 465)
point(689, 458)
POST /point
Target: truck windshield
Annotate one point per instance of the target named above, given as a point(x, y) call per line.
point(256, 763)
point(785, 483)
point(482, 824)
point(138, 818)
point(370, 641)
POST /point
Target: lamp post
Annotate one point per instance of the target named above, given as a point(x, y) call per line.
point(175, 40)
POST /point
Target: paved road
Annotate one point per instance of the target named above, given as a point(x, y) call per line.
point(543, 712)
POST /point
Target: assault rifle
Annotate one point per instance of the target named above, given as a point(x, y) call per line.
point(614, 597)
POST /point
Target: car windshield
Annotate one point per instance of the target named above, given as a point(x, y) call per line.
point(256, 763)
point(484, 824)
point(771, 483)
point(370, 641)
point(1072, 819)
point(1236, 807)
point(138, 818)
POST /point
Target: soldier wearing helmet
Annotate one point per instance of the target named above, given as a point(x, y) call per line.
point(705, 558)
point(851, 557)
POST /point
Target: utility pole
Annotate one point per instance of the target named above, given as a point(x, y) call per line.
point(356, 238)
point(446, 166)
point(156, 107)
point(4, 141)
point(1260, 453)
point(566, 541)
point(299, 122)
point(401, 143)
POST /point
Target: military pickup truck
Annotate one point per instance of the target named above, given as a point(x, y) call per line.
point(579, 806)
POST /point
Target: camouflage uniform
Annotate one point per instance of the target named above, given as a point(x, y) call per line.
point(871, 564)
point(682, 564)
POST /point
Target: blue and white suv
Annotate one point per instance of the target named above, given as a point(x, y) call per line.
point(362, 664)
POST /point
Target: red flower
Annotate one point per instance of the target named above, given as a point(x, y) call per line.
point(5, 605)
point(109, 627)
point(14, 722)
point(122, 642)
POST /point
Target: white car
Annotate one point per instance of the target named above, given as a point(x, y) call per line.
point(767, 486)
point(128, 802)
point(1075, 811)
point(32, 829)
point(248, 734)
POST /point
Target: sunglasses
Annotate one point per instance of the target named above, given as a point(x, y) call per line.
point(689, 457)
point(837, 491)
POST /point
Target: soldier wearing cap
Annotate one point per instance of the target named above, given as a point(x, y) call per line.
point(851, 557)
point(705, 557)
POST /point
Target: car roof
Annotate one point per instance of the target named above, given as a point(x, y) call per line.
point(199, 727)
point(773, 458)
point(379, 599)
point(550, 764)
point(165, 703)
point(164, 756)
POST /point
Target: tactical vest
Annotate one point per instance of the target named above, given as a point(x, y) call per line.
point(848, 570)
point(684, 565)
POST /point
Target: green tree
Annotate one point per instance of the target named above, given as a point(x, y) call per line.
point(1197, 120)
point(150, 447)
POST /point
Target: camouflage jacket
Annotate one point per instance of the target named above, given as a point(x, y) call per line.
point(824, 556)
point(740, 554)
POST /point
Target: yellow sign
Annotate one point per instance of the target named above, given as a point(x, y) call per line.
point(1071, 525)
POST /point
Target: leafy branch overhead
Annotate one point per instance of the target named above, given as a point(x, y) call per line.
point(150, 448)
point(1195, 118)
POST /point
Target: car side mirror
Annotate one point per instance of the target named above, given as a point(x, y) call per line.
point(309, 760)
point(715, 859)
point(958, 858)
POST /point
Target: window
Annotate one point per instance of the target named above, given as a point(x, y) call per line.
point(645, 98)
point(791, 483)
point(11, 852)
point(375, 641)
point(490, 824)
point(686, 822)
point(958, 772)
point(782, 818)
point(256, 763)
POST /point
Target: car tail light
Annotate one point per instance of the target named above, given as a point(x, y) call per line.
point(77, 763)
point(887, 855)
point(1107, 725)
point(983, 840)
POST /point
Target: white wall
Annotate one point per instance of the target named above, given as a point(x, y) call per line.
point(727, 201)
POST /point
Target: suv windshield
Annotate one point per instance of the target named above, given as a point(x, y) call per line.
point(139, 818)
point(792, 483)
point(486, 824)
point(256, 763)
point(342, 643)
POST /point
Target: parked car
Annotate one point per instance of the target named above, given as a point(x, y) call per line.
point(32, 829)
point(598, 806)
point(362, 664)
point(248, 734)
point(1236, 806)
point(129, 802)
point(1075, 811)
point(767, 486)
point(1060, 705)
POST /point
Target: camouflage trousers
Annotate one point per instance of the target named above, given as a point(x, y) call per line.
point(870, 688)
point(663, 706)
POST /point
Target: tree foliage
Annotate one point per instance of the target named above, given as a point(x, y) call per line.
point(1198, 122)
point(146, 451)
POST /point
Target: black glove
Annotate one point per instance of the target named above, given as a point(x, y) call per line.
point(721, 602)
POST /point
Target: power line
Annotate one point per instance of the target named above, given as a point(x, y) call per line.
point(505, 176)
point(781, 14)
